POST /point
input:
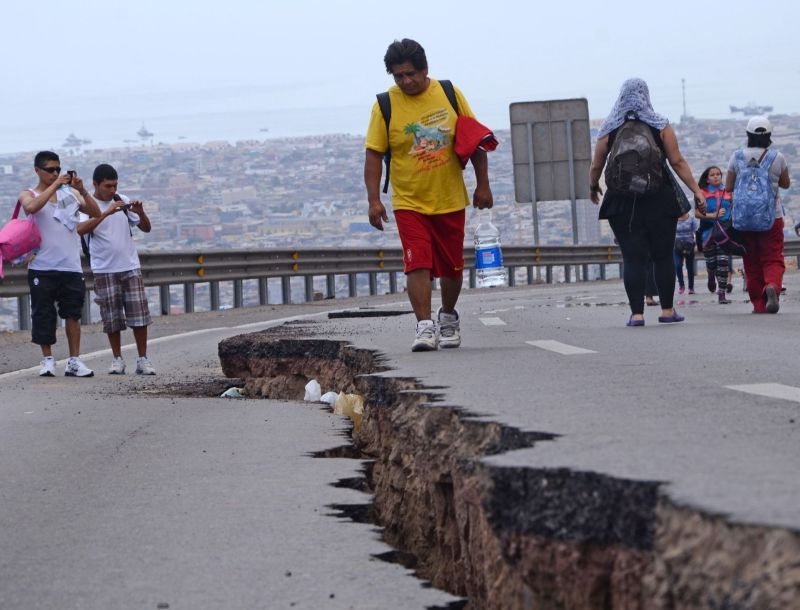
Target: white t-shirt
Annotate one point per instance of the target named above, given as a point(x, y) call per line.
point(111, 244)
point(61, 247)
point(775, 171)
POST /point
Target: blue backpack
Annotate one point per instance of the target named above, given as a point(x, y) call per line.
point(753, 195)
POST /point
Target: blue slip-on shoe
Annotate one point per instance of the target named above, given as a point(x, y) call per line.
point(675, 317)
point(632, 322)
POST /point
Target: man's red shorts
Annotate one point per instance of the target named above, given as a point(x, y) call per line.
point(434, 242)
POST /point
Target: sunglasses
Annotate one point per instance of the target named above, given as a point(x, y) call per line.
point(51, 170)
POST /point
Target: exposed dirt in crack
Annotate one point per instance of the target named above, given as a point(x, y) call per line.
point(516, 537)
point(209, 385)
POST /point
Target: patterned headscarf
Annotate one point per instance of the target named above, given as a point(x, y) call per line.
point(633, 95)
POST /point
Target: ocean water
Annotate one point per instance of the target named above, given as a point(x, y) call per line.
point(232, 126)
point(176, 120)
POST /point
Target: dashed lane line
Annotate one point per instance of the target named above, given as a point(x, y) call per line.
point(560, 348)
point(770, 390)
point(492, 321)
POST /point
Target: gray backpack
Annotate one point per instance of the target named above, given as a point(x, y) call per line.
point(635, 163)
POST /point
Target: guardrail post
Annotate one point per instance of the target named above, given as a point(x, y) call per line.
point(309, 282)
point(512, 275)
point(585, 269)
point(602, 271)
point(188, 298)
point(86, 312)
point(352, 288)
point(330, 286)
point(548, 274)
point(263, 291)
point(373, 283)
point(392, 282)
point(24, 312)
point(286, 290)
point(213, 293)
point(473, 278)
point(238, 296)
point(529, 270)
point(164, 297)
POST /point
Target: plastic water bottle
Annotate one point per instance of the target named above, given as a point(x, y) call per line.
point(489, 269)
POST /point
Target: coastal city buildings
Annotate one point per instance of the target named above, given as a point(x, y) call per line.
point(307, 192)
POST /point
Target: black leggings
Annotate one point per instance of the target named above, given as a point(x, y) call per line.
point(643, 237)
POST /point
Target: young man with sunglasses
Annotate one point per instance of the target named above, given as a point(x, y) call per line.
point(55, 275)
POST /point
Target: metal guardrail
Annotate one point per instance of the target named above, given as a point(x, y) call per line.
point(192, 267)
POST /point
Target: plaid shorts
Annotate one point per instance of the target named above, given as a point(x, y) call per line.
point(122, 300)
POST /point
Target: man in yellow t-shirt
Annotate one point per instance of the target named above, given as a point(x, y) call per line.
point(429, 197)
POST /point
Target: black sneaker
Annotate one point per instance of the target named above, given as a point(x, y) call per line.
point(773, 304)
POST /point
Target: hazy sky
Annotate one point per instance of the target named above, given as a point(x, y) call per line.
point(66, 63)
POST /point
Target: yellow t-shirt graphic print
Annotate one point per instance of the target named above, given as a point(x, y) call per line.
point(433, 140)
point(425, 173)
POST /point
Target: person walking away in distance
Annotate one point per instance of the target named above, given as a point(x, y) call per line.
point(643, 224)
point(718, 207)
point(55, 275)
point(683, 253)
point(763, 262)
point(118, 285)
point(429, 196)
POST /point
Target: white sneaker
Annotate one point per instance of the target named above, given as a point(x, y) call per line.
point(117, 367)
point(449, 329)
point(48, 367)
point(144, 366)
point(76, 368)
point(426, 340)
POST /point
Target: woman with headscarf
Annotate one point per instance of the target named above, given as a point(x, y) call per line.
point(644, 224)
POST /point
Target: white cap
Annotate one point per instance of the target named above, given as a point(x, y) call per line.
point(759, 124)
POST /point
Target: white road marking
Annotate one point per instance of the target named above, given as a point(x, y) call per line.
point(770, 390)
point(492, 321)
point(560, 348)
point(179, 336)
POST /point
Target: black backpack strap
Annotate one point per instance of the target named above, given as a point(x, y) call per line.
point(385, 104)
point(450, 92)
point(85, 245)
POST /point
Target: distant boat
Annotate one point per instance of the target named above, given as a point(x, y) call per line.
point(74, 141)
point(751, 109)
point(144, 133)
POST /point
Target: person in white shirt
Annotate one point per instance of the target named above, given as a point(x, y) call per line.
point(763, 262)
point(55, 275)
point(118, 284)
